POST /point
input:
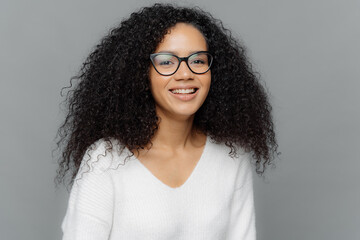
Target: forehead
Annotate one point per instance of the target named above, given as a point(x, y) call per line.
point(181, 39)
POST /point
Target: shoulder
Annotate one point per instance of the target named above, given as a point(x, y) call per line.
point(237, 161)
point(101, 155)
point(236, 153)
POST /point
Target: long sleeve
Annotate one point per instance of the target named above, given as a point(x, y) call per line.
point(90, 207)
point(242, 215)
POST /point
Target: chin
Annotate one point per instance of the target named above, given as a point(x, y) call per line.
point(181, 111)
point(185, 113)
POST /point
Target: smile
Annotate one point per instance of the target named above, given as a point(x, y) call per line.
point(184, 94)
point(184, 91)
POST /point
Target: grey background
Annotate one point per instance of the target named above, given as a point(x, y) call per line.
point(306, 51)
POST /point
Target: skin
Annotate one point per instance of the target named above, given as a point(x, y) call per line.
point(177, 147)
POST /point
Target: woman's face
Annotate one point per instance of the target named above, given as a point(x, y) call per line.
point(182, 40)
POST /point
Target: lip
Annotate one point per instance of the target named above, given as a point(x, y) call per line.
point(184, 96)
point(183, 87)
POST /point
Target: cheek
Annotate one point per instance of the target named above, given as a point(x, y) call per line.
point(207, 86)
point(207, 81)
point(157, 83)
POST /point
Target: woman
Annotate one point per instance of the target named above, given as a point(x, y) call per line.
point(160, 132)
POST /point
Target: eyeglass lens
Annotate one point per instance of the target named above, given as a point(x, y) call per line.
point(168, 64)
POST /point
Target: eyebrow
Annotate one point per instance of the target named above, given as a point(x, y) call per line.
point(175, 53)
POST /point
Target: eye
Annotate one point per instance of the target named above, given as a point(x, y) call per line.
point(164, 60)
point(198, 61)
point(165, 63)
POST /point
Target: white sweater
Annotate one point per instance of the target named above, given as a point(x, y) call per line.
point(117, 200)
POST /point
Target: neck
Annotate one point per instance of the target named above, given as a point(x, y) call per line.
point(175, 133)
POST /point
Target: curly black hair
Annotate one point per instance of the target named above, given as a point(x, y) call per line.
point(113, 99)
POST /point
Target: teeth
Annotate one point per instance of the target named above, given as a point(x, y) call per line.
point(189, 90)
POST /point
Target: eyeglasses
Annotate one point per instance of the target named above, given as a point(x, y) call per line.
point(167, 64)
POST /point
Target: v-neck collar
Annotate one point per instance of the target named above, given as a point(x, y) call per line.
point(188, 181)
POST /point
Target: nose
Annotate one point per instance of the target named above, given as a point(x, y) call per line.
point(183, 72)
